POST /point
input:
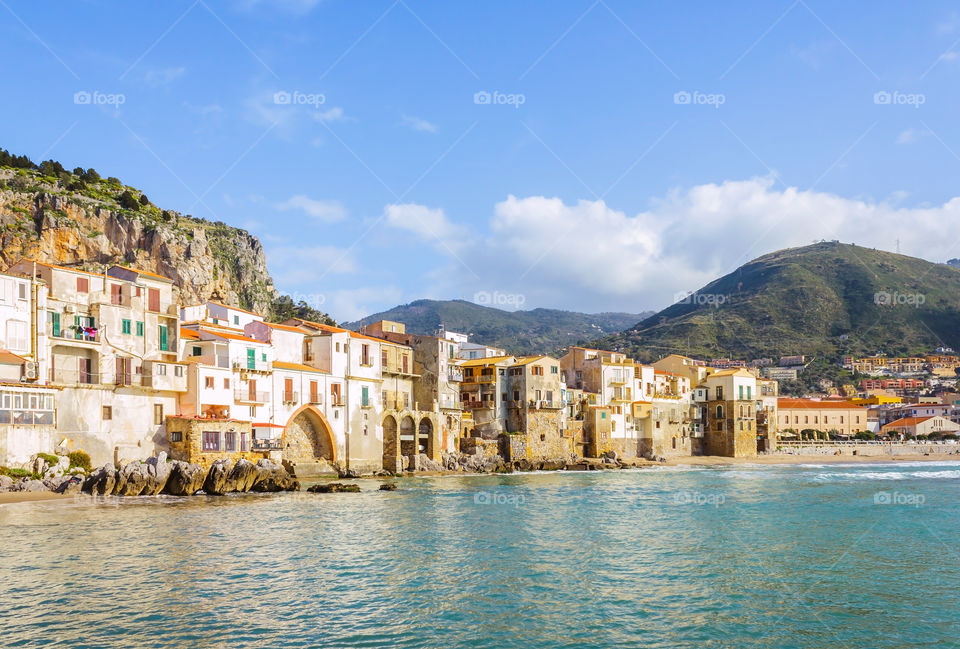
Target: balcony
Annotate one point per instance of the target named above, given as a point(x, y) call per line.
point(291, 398)
point(266, 445)
point(314, 400)
point(251, 396)
point(75, 334)
point(255, 366)
point(454, 375)
point(74, 377)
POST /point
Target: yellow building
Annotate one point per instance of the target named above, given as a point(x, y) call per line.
point(844, 417)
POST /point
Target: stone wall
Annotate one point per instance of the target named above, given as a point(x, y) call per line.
point(189, 448)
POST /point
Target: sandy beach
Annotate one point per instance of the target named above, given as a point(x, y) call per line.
point(709, 460)
point(12, 497)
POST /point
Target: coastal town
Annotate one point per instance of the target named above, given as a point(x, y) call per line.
point(106, 361)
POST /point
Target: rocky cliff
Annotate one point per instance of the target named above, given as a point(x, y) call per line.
point(82, 221)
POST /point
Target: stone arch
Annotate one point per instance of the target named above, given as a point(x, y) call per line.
point(426, 437)
point(408, 437)
point(391, 444)
point(308, 437)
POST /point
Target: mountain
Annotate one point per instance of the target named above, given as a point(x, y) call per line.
point(827, 299)
point(538, 331)
point(80, 220)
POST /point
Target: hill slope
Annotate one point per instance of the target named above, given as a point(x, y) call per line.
point(81, 220)
point(520, 332)
point(827, 298)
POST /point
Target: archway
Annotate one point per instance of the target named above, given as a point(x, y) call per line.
point(425, 441)
point(308, 437)
point(391, 445)
point(408, 441)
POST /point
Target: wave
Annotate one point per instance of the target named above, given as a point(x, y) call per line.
point(888, 475)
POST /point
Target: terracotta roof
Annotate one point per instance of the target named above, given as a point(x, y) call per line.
point(228, 336)
point(209, 325)
point(473, 362)
point(143, 272)
point(793, 404)
point(282, 327)
point(731, 371)
point(526, 360)
point(9, 358)
point(48, 265)
point(283, 365)
point(255, 425)
point(907, 421)
point(189, 334)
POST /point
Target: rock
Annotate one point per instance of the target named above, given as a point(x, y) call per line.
point(71, 485)
point(552, 465)
point(388, 486)
point(6, 483)
point(272, 477)
point(132, 479)
point(217, 482)
point(185, 479)
point(102, 481)
point(243, 475)
point(39, 465)
point(158, 472)
point(426, 464)
point(344, 473)
point(54, 483)
point(32, 485)
point(333, 488)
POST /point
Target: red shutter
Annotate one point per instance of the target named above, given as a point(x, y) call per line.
point(153, 297)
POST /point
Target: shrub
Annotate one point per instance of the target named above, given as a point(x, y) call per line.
point(866, 435)
point(144, 200)
point(48, 458)
point(128, 201)
point(80, 459)
point(16, 473)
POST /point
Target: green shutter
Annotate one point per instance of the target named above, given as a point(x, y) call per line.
point(140, 329)
point(163, 338)
point(55, 323)
point(251, 358)
point(366, 396)
point(125, 326)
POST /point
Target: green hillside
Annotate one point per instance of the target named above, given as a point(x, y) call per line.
point(824, 299)
point(519, 332)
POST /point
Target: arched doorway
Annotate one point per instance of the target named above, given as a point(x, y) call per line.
point(307, 437)
point(408, 442)
point(425, 441)
point(391, 445)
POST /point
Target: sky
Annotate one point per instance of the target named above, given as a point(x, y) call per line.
point(590, 155)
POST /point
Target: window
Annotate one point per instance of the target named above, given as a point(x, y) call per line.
point(176, 436)
point(17, 335)
point(22, 294)
point(554, 369)
point(211, 440)
point(244, 447)
point(161, 369)
point(741, 392)
point(253, 411)
point(83, 285)
point(208, 382)
point(178, 370)
point(288, 390)
point(335, 394)
point(153, 299)
point(719, 412)
point(337, 347)
point(406, 399)
point(749, 391)
point(383, 357)
point(230, 441)
point(139, 328)
point(516, 395)
point(315, 396)
point(163, 338)
point(719, 393)
point(536, 370)
point(107, 413)
point(236, 319)
point(226, 384)
point(364, 396)
point(197, 350)
point(157, 414)
point(263, 357)
point(125, 326)
point(365, 354)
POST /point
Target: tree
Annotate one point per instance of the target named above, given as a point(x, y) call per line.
point(90, 176)
point(283, 308)
point(128, 201)
point(144, 200)
point(865, 435)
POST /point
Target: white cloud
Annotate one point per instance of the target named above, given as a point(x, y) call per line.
point(591, 256)
point(418, 124)
point(163, 76)
point(323, 211)
point(298, 7)
point(307, 266)
point(333, 114)
point(911, 135)
point(429, 223)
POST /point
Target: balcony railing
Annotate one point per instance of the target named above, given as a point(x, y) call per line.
point(89, 335)
point(266, 444)
point(251, 396)
point(74, 377)
point(291, 397)
point(454, 375)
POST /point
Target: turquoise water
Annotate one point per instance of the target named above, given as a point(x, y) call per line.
point(746, 556)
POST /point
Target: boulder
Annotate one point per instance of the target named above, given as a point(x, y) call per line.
point(524, 465)
point(344, 473)
point(6, 483)
point(333, 488)
point(272, 477)
point(185, 479)
point(132, 480)
point(552, 465)
point(243, 475)
point(32, 485)
point(71, 485)
point(54, 482)
point(158, 472)
point(426, 464)
point(217, 482)
point(102, 481)
point(388, 486)
point(39, 465)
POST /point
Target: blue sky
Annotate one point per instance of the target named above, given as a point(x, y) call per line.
point(588, 182)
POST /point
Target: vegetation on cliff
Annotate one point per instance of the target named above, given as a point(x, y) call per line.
point(79, 219)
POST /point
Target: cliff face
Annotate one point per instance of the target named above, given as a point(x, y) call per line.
point(87, 227)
